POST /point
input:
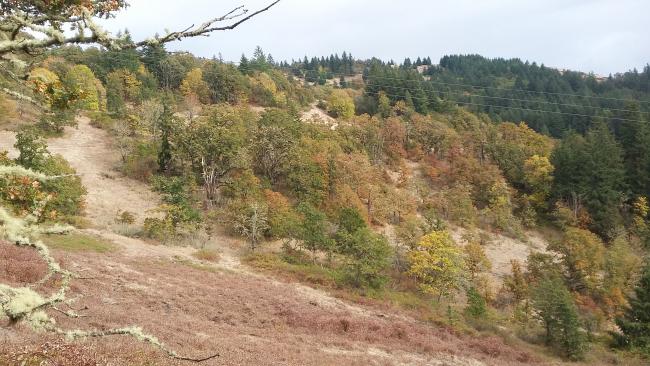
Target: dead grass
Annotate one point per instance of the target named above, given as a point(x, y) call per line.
point(301, 272)
point(208, 255)
point(20, 265)
point(195, 265)
point(77, 242)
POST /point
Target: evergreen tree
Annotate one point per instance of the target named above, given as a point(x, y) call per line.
point(244, 65)
point(634, 136)
point(153, 57)
point(605, 177)
point(165, 153)
point(409, 100)
point(635, 322)
point(558, 313)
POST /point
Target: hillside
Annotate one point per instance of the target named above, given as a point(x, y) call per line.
point(158, 208)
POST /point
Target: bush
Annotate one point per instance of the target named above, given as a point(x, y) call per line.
point(476, 305)
point(142, 162)
point(158, 229)
point(206, 255)
point(101, 120)
point(68, 193)
point(125, 217)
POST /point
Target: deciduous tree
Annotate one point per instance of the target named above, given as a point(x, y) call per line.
point(437, 264)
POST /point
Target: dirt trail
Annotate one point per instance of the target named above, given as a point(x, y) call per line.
point(89, 151)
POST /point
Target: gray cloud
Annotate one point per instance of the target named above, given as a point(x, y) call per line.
point(603, 36)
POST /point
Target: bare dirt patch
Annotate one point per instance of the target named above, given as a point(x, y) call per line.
point(501, 250)
point(89, 151)
point(318, 116)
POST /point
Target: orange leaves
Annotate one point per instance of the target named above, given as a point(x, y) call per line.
point(24, 194)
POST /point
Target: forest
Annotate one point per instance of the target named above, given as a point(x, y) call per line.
point(382, 182)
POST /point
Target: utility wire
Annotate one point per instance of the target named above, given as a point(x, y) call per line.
point(518, 108)
point(510, 99)
point(497, 88)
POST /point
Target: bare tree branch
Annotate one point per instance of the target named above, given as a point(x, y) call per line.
point(49, 27)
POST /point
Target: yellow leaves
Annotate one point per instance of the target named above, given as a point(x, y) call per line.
point(583, 254)
point(194, 87)
point(475, 259)
point(340, 104)
point(128, 81)
point(45, 83)
point(437, 264)
point(81, 81)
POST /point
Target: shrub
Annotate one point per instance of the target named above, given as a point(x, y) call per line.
point(208, 255)
point(159, 229)
point(68, 193)
point(142, 162)
point(125, 217)
point(476, 305)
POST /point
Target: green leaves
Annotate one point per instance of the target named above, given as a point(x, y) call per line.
point(558, 313)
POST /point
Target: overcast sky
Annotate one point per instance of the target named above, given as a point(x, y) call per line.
point(603, 36)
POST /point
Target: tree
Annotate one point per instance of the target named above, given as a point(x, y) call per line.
point(557, 312)
point(252, 224)
point(476, 305)
point(367, 257)
point(437, 264)
point(476, 261)
point(214, 147)
point(383, 105)
point(194, 87)
point(275, 142)
point(81, 78)
point(244, 65)
point(314, 230)
point(516, 282)
point(606, 179)
point(165, 152)
point(32, 150)
point(46, 20)
point(226, 83)
point(583, 254)
point(350, 220)
point(340, 104)
point(635, 140)
point(538, 179)
point(635, 322)
point(589, 171)
point(621, 268)
point(115, 95)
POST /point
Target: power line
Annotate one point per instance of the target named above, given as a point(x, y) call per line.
point(510, 99)
point(502, 89)
point(518, 108)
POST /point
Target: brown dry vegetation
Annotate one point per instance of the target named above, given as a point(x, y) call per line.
point(248, 319)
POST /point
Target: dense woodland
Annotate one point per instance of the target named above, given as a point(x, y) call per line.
point(423, 151)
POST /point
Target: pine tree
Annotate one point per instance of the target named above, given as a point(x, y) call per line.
point(244, 65)
point(635, 322)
